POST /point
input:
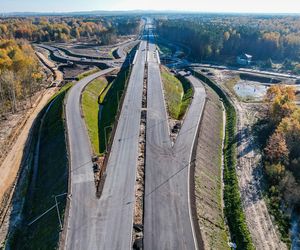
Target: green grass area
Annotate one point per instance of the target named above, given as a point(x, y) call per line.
point(282, 220)
point(110, 106)
point(104, 93)
point(52, 179)
point(233, 206)
point(165, 49)
point(87, 73)
point(187, 96)
point(90, 108)
point(178, 94)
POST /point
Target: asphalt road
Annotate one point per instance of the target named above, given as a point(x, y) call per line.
point(121, 49)
point(105, 223)
point(60, 56)
point(167, 213)
point(82, 179)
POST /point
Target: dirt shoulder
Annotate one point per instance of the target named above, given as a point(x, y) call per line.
point(208, 175)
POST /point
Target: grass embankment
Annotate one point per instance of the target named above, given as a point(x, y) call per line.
point(165, 49)
point(87, 73)
point(51, 179)
point(90, 108)
point(178, 94)
point(110, 100)
point(233, 206)
point(208, 175)
point(102, 93)
point(108, 95)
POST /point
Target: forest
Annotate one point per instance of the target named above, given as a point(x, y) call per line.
point(279, 135)
point(20, 75)
point(223, 37)
point(62, 29)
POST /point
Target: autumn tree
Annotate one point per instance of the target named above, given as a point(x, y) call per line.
point(280, 100)
point(19, 74)
point(276, 150)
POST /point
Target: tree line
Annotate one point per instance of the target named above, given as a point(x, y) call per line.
point(62, 29)
point(221, 38)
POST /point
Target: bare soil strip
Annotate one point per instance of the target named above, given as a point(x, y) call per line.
point(140, 176)
point(10, 167)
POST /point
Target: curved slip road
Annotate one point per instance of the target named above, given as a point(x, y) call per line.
point(61, 57)
point(105, 223)
point(168, 222)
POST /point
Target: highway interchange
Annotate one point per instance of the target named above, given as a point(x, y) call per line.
point(169, 220)
point(107, 223)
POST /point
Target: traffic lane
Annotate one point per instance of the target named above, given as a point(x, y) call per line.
point(167, 183)
point(166, 214)
point(185, 140)
point(81, 173)
point(58, 55)
point(157, 119)
point(166, 217)
point(116, 204)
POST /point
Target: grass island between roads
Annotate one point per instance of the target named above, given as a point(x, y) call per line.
point(178, 93)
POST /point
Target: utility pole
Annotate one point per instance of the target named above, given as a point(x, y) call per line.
point(57, 209)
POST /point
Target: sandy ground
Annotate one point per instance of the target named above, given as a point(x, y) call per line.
point(11, 164)
point(249, 170)
point(264, 233)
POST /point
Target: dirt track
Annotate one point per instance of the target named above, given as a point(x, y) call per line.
point(249, 170)
point(11, 164)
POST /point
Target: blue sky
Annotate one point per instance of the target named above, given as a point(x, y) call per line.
point(262, 6)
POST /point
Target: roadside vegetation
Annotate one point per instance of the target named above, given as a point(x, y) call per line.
point(90, 107)
point(281, 146)
point(111, 102)
point(166, 50)
point(178, 93)
point(51, 179)
point(232, 200)
point(87, 73)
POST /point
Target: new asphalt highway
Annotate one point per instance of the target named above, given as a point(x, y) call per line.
point(168, 222)
point(105, 223)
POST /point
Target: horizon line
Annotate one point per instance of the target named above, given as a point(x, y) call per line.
point(150, 11)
